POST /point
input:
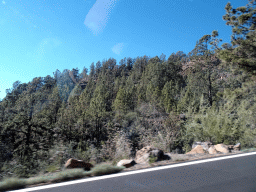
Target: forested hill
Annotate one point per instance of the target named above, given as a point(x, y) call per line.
point(208, 94)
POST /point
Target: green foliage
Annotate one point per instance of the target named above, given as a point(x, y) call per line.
point(152, 159)
point(121, 103)
point(52, 168)
point(226, 124)
point(169, 97)
point(187, 147)
point(25, 170)
point(189, 101)
point(141, 92)
point(217, 98)
point(64, 84)
point(83, 154)
point(97, 107)
point(242, 51)
point(75, 93)
point(152, 94)
point(131, 117)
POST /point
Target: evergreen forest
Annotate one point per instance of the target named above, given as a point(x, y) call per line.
point(112, 110)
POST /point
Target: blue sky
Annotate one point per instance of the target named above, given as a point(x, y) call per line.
point(38, 37)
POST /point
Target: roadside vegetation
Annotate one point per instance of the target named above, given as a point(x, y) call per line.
point(61, 175)
point(64, 175)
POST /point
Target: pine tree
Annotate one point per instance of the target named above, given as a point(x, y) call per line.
point(26, 132)
point(243, 50)
point(92, 71)
point(205, 63)
point(121, 105)
point(187, 102)
point(168, 99)
point(97, 110)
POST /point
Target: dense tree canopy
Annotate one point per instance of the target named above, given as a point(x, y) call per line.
point(205, 95)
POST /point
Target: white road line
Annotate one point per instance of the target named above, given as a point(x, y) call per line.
point(130, 173)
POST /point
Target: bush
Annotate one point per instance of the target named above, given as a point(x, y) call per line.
point(187, 148)
point(131, 117)
point(152, 159)
point(83, 155)
point(52, 168)
point(22, 171)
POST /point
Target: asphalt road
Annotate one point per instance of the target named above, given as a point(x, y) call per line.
point(237, 174)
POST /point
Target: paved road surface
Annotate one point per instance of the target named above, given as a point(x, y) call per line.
point(231, 174)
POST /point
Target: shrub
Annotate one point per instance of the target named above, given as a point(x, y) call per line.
point(152, 159)
point(52, 168)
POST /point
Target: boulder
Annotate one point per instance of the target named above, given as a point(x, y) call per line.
point(206, 145)
point(221, 148)
point(237, 147)
point(198, 149)
point(157, 153)
point(212, 150)
point(142, 156)
point(126, 163)
point(73, 163)
point(195, 144)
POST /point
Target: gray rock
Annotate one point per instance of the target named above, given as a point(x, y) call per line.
point(237, 147)
point(143, 154)
point(126, 163)
point(157, 153)
point(206, 145)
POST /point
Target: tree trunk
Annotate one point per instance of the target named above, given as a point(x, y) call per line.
point(210, 90)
